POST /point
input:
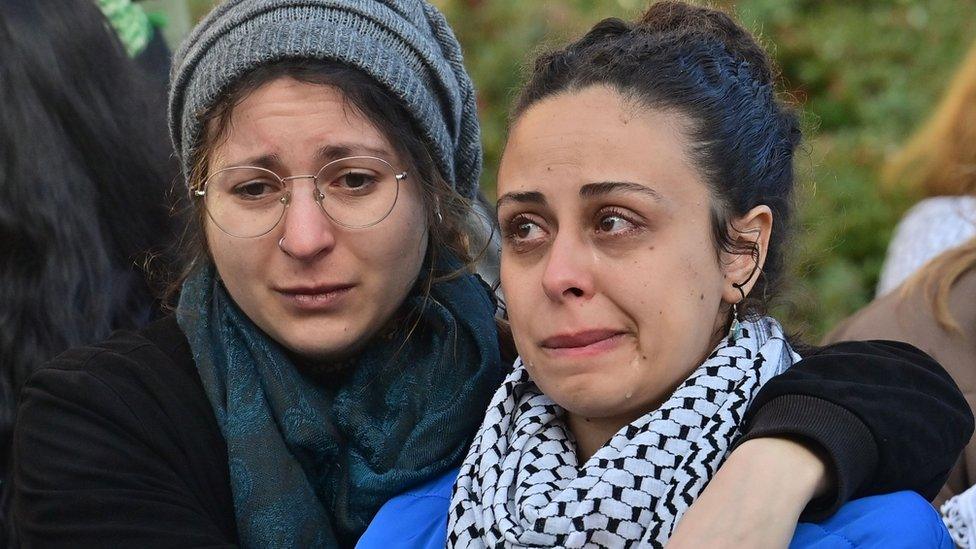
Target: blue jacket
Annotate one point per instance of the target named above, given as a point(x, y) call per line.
point(417, 519)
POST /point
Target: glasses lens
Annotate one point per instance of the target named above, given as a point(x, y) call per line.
point(245, 202)
point(359, 191)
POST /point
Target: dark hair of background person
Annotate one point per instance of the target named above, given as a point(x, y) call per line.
point(85, 172)
point(701, 63)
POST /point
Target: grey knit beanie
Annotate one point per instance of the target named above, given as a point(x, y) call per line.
point(406, 45)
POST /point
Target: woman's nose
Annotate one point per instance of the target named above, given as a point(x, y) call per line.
point(306, 231)
point(568, 272)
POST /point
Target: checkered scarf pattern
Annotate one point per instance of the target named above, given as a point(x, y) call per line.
point(959, 516)
point(521, 485)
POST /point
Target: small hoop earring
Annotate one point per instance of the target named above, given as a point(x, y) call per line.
point(281, 244)
point(741, 291)
point(735, 328)
point(437, 212)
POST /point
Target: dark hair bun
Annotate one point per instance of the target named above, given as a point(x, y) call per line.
point(695, 21)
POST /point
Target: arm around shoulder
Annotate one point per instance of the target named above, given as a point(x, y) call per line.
point(885, 414)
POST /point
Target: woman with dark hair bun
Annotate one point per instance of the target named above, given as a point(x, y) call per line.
point(642, 239)
point(84, 171)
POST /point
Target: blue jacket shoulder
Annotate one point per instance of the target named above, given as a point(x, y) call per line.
point(417, 519)
point(901, 519)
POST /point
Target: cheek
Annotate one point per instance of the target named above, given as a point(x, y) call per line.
point(409, 235)
point(394, 250)
point(230, 257)
point(671, 290)
point(245, 266)
point(521, 285)
point(658, 275)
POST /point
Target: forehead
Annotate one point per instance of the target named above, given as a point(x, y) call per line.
point(594, 134)
point(289, 119)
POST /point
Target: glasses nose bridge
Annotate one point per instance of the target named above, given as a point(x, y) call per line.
point(293, 177)
point(316, 193)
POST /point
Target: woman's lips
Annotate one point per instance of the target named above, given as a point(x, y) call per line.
point(584, 343)
point(318, 298)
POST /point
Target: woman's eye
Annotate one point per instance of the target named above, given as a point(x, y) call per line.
point(522, 230)
point(255, 189)
point(354, 181)
point(525, 229)
point(615, 223)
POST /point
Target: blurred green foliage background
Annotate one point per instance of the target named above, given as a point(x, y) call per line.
point(865, 73)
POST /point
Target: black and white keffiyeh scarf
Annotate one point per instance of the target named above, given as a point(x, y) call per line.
point(959, 516)
point(521, 485)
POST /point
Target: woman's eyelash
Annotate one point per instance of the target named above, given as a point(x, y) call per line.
point(626, 216)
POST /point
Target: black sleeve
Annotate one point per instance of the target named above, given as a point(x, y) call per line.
point(98, 465)
point(885, 414)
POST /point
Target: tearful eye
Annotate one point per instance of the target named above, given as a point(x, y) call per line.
point(523, 233)
point(614, 223)
point(354, 181)
point(524, 229)
point(255, 189)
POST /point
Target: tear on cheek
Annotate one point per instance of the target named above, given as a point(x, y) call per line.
point(635, 371)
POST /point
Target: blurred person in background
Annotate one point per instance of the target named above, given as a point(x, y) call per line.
point(927, 291)
point(84, 170)
point(142, 39)
point(940, 161)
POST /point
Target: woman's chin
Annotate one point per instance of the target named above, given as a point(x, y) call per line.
point(604, 401)
point(318, 344)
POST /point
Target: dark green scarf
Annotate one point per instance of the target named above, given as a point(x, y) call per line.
point(311, 462)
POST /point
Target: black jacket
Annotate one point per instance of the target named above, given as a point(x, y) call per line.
point(117, 445)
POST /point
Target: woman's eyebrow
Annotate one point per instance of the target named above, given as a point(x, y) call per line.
point(266, 161)
point(327, 153)
point(591, 190)
point(336, 151)
point(524, 197)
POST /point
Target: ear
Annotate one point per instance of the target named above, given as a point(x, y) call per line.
point(742, 265)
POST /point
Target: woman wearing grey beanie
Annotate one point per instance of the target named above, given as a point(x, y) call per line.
point(330, 349)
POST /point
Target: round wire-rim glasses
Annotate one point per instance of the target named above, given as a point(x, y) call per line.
point(356, 192)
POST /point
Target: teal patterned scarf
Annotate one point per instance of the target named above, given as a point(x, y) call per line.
point(311, 462)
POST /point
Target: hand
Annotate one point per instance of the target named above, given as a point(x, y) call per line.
point(755, 498)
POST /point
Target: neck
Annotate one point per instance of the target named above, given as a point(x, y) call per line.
point(591, 433)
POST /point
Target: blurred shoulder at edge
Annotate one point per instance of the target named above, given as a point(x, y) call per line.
point(935, 310)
